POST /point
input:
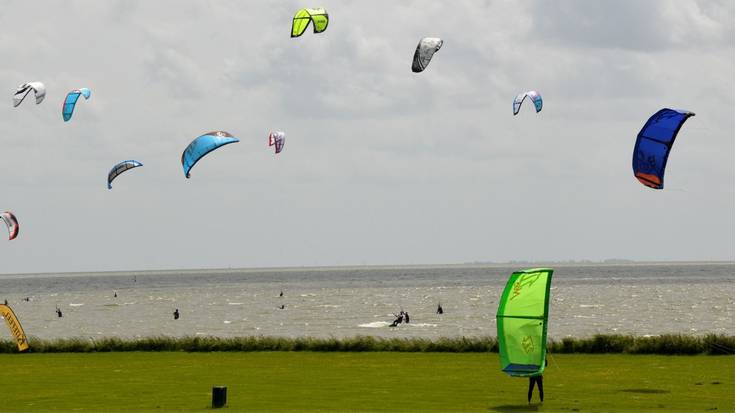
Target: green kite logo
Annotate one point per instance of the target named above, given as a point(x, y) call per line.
point(527, 344)
point(525, 280)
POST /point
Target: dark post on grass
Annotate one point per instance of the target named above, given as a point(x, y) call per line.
point(219, 396)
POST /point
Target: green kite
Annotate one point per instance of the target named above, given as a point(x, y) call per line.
point(523, 316)
point(304, 16)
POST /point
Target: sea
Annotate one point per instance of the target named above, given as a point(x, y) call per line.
point(586, 299)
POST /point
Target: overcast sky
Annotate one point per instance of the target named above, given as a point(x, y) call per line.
point(381, 165)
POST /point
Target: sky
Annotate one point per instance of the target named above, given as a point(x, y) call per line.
point(381, 165)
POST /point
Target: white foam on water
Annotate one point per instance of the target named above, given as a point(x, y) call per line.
point(421, 325)
point(76, 304)
point(375, 324)
point(235, 303)
point(227, 322)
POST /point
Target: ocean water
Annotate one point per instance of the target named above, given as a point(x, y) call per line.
point(641, 299)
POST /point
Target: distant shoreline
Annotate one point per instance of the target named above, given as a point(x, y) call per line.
point(667, 344)
point(227, 270)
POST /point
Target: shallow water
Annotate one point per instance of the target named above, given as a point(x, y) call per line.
point(586, 299)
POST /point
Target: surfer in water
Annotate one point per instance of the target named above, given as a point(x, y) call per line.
point(406, 318)
point(176, 314)
point(58, 312)
point(398, 320)
point(281, 295)
point(439, 309)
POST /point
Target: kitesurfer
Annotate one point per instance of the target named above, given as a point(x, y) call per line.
point(406, 318)
point(281, 295)
point(439, 309)
point(58, 312)
point(283, 307)
point(176, 314)
point(115, 295)
point(539, 379)
point(398, 320)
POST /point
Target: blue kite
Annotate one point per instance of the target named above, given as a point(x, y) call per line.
point(71, 101)
point(119, 169)
point(653, 145)
point(203, 145)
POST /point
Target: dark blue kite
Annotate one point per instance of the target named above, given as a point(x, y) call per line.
point(653, 145)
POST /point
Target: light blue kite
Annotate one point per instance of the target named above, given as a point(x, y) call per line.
point(203, 145)
point(531, 94)
point(71, 101)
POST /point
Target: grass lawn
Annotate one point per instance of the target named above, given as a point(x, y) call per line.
point(357, 382)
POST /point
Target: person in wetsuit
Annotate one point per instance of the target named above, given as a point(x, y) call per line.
point(58, 312)
point(439, 309)
point(176, 314)
point(539, 380)
point(406, 318)
point(398, 320)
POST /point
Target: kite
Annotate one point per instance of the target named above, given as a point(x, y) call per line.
point(277, 139)
point(533, 95)
point(12, 223)
point(119, 169)
point(203, 145)
point(301, 20)
point(39, 90)
point(71, 101)
point(424, 52)
point(653, 144)
point(523, 315)
point(14, 326)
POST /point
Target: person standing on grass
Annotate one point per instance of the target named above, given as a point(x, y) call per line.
point(539, 380)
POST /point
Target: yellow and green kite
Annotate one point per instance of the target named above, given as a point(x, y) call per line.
point(304, 16)
point(523, 315)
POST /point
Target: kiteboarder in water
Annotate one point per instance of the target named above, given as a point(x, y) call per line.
point(398, 320)
point(406, 318)
point(439, 309)
point(58, 312)
point(176, 314)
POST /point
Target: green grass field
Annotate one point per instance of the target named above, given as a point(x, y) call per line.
point(352, 382)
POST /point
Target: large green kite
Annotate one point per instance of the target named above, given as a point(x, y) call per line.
point(523, 316)
point(304, 16)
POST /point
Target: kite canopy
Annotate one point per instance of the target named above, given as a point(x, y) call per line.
point(12, 223)
point(203, 145)
point(523, 316)
point(533, 95)
point(119, 169)
point(277, 139)
point(71, 101)
point(424, 52)
point(653, 144)
point(14, 326)
point(301, 20)
point(23, 90)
